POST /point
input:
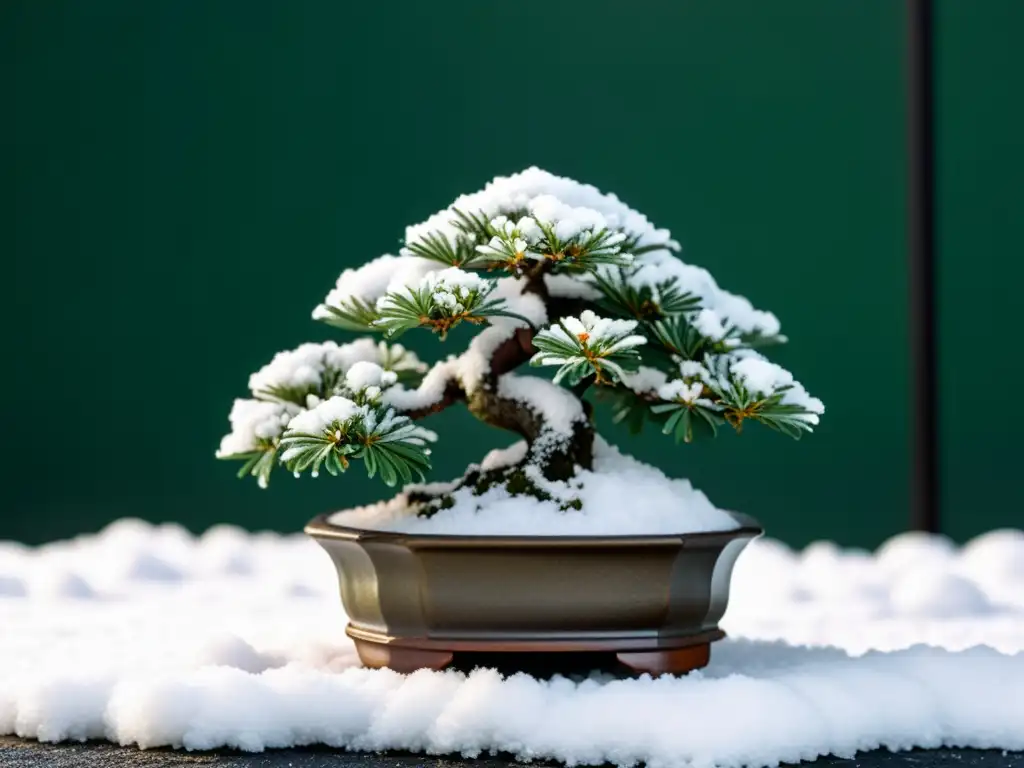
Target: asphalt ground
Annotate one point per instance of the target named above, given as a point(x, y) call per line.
point(21, 753)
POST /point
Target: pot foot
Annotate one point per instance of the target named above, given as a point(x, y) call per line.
point(677, 661)
point(399, 659)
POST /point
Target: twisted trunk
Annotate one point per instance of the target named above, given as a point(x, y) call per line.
point(556, 454)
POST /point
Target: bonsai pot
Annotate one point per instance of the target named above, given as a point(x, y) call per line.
point(423, 600)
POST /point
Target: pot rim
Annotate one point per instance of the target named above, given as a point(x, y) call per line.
point(320, 527)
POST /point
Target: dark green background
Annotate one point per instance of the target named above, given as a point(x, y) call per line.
point(183, 181)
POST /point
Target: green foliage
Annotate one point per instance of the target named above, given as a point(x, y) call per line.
point(643, 303)
point(586, 252)
point(678, 338)
point(436, 247)
point(739, 403)
point(330, 383)
point(259, 423)
point(757, 340)
point(259, 463)
point(420, 307)
point(689, 378)
point(388, 445)
point(627, 407)
point(475, 226)
point(353, 314)
point(579, 353)
point(683, 418)
point(402, 362)
point(474, 230)
point(530, 246)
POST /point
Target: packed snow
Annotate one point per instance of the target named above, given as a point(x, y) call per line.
point(149, 636)
point(609, 494)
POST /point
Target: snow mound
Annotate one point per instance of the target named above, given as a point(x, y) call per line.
point(229, 650)
point(227, 657)
point(12, 587)
point(994, 561)
point(913, 550)
point(622, 496)
point(56, 584)
point(932, 592)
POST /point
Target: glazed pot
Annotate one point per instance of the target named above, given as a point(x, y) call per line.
point(419, 600)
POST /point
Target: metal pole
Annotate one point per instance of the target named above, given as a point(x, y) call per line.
point(921, 241)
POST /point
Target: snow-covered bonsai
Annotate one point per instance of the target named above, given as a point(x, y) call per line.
point(555, 273)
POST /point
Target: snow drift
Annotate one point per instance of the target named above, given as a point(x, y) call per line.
point(148, 636)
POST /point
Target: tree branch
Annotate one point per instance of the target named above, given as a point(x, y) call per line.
point(584, 384)
point(453, 393)
point(486, 404)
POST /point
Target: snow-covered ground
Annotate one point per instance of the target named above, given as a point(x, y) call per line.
point(148, 636)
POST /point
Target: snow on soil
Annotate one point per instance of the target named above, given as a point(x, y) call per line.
point(148, 636)
point(622, 496)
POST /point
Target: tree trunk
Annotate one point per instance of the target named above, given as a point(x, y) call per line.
point(557, 455)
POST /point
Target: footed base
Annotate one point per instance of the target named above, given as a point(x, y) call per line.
point(539, 661)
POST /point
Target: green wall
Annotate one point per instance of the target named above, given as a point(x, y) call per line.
point(980, 189)
point(183, 181)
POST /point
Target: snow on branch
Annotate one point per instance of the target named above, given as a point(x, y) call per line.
point(624, 315)
point(439, 301)
point(438, 388)
point(660, 285)
point(564, 206)
point(318, 368)
point(303, 378)
point(589, 346)
point(558, 411)
point(564, 240)
point(351, 303)
point(340, 429)
point(727, 388)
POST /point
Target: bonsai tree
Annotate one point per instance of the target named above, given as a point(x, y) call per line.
point(556, 275)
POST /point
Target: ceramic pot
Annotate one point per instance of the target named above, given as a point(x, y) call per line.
point(420, 600)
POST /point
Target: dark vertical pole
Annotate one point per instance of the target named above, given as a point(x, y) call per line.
point(921, 234)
